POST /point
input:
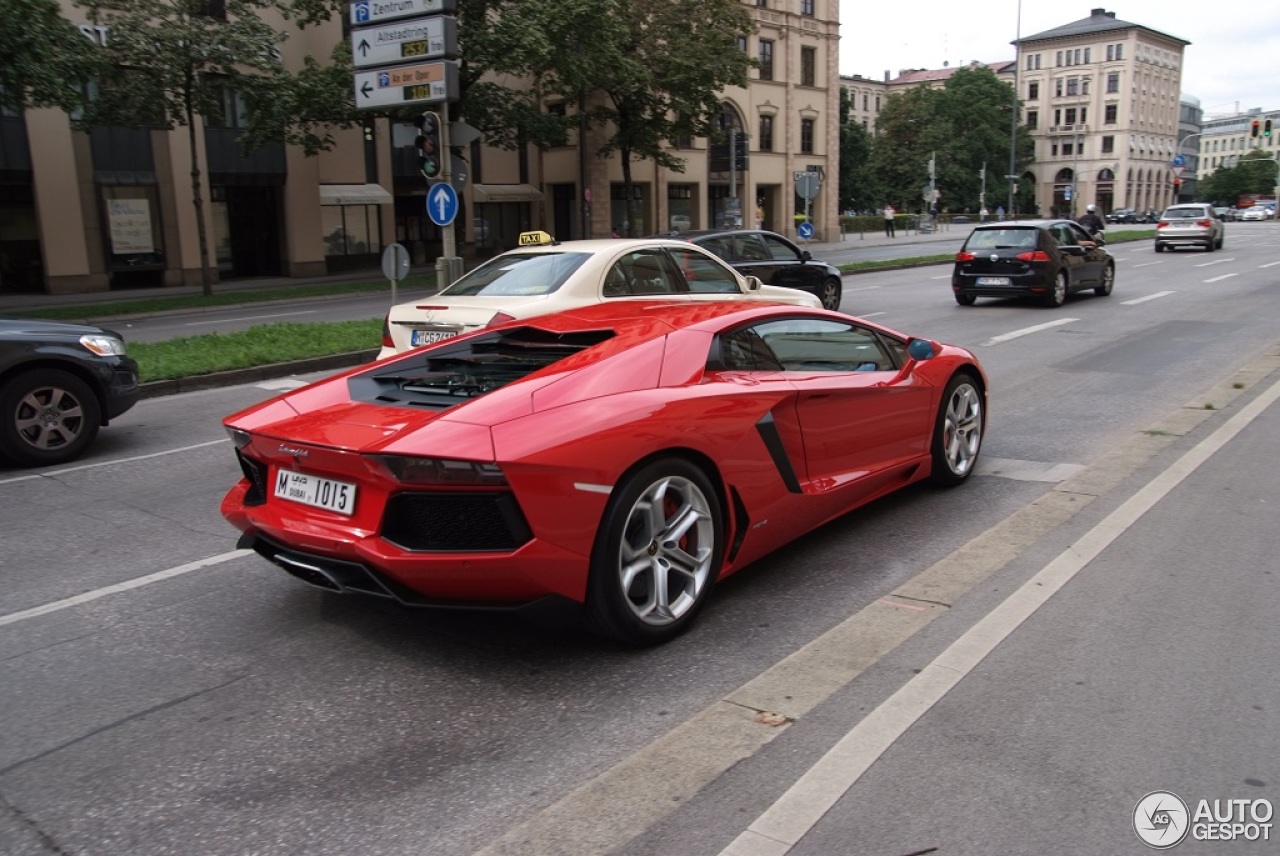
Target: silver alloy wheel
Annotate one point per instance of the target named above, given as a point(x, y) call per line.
point(962, 428)
point(665, 558)
point(830, 294)
point(49, 418)
point(1108, 281)
point(1059, 295)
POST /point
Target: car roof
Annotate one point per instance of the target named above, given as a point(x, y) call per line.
point(690, 234)
point(1025, 224)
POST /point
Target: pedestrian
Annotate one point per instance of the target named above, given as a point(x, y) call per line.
point(889, 214)
point(1000, 212)
point(982, 215)
point(1092, 223)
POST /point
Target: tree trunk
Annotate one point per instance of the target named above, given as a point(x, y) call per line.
point(629, 204)
point(206, 272)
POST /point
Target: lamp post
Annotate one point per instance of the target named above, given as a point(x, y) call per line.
point(1013, 117)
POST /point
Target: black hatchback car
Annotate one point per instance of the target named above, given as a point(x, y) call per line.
point(59, 383)
point(1045, 259)
point(772, 258)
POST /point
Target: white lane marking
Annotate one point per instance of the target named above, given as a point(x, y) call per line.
point(1212, 263)
point(1037, 471)
point(861, 288)
point(1027, 331)
point(1220, 278)
point(945, 276)
point(1148, 264)
point(776, 831)
point(873, 314)
point(1155, 296)
point(251, 318)
point(1269, 264)
point(139, 582)
point(282, 383)
point(112, 462)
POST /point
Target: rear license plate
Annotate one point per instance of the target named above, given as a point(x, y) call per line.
point(328, 494)
point(427, 337)
point(993, 280)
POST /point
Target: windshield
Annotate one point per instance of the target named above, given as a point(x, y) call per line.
point(518, 275)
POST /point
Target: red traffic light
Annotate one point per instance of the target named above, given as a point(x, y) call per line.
point(1254, 131)
point(1177, 182)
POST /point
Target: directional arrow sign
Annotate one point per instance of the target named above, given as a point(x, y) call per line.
point(442, 204)
point(407, 84)
point(422, 38)
point(372, 11)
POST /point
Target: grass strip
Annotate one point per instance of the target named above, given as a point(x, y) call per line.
point(258, 346)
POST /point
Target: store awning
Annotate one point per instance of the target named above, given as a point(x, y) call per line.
point(354, 194)
point(505, 193)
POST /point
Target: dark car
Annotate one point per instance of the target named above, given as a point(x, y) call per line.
point(1124, 215)
point(59, 383)
point(774, 259)
point(1046, 259)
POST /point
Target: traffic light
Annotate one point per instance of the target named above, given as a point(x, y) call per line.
point(1177, 182)
point(1254, 130)
point(1266, 128)
point(428, 145)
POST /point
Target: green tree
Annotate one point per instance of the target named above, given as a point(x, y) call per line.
point(963, 125)
point(44, 58)
point(857, 189)
point(1253, 173)
point(168, 62)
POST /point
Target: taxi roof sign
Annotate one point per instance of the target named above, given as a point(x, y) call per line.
point(535, 239)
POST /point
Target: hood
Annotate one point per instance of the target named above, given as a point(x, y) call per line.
point(29, 327)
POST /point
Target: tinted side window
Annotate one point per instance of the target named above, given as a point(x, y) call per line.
point(813, 345)
point(780, 250)
point(704, 275)
point(743, 351)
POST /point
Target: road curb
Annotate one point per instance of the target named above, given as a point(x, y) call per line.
point(233, 377)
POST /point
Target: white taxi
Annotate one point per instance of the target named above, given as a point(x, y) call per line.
point(543, 275)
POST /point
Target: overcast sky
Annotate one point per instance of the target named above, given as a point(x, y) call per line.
point(1231, 65)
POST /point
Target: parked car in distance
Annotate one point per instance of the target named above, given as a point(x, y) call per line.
point(609, 463)
point(544, 275)
point(1191, 224)
point(774, 259)
point(1123, 215)
point(59, 383)
point(1254, 213)
point(1044, 259)
point(681, 223)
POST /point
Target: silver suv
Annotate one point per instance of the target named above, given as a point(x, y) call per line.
point(1191, 224)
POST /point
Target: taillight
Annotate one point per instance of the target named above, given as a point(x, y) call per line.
point(1203, 224)
point(1162, 224)
point(1037, 256)
point(386, 332)
point(962, 256)
point(500, 318)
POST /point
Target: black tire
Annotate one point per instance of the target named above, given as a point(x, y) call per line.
point(47, 416)
point(1208, 247)
point(830, 293)
point(628, 557)
point(1108, 281)
point(957, 431)
point(966, 299)
point(1159, 248)
point(1222, 241)
point(1058, 296)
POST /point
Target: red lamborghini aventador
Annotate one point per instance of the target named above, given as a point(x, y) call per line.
point(619, 458)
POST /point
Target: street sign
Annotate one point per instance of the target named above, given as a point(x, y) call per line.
point(407, 84)
point(442, 204)
point(423, 38)
point(1179, 160)
point(1177, 171)
point(372, 11)
point(807, 185)
point(395, 262)
point(805, 230)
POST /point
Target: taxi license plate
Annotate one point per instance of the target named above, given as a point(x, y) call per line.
point(993, 280)
point(312, 490)
point(426, 337)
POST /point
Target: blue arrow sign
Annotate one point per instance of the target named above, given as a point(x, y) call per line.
point(442, 204)
point(805, 231)
point(1179, 160)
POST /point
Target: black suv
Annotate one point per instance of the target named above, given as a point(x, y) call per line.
point(777, 261)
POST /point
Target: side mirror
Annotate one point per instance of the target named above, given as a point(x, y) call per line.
point(921, 349)
point(806, 256)
point(753, 283)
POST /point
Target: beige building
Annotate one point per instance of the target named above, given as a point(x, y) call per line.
point(112, 208)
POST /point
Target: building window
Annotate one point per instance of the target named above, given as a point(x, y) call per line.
point(762, 3)
point(766, 59)
point(1071, 116)
point(1073, 86)
point(1113, 81)
point(1059, 62)
point(766, 134)
point(1077, 53)
point(742, 43)
point(1033, 91)
point(806, 7)
point(877, 103)
point(1057, 87)
point(806, 136)
point(1088, 53)
point(1057, 117)
point(1033, 119)
point(808, 66)
point(1084, 115)
point(1084, 86)
point(864, 101)
point(1053, 150)
point(1108, 145)
point(1119, 52)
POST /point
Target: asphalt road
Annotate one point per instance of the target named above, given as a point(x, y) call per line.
point(168, 694)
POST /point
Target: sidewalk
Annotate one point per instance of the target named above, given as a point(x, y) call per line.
point(951, 235)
